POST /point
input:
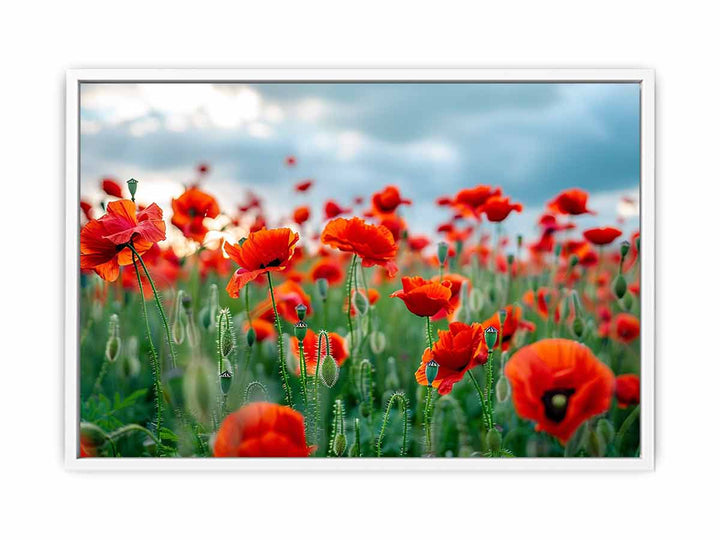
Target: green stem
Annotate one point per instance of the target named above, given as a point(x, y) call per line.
point(303, 381)
point(489, 386)
point(133, 427)
point(429, 333)
point(281, 348)
point(403, 404)
point(483, 406)
point(154, 361)
point(101, 376)
point(351, 271)
point(428, 421)
point(626, 425)
point(316, 405)
point(158, 303)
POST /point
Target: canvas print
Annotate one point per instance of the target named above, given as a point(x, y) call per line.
point(378, 270)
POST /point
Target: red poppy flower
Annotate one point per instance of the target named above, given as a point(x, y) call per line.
point(287, 296)
point(333, 209)
point(301, 214)
point(373, 244)
point(498, 208)
point(418, 243)
point(456, 282)
point(290, 161)
point(262, 430)
point(471, 200)
point(513, 322)
point(627, 328)
point(112, 188)
point(601, 236)
point(387, 200)
point(102, 241)
point(338, 349)
point(214, 260)
point(543, 295)
point(627, 390)
point(303, 186)
point(395, 224)
point(263, 329)
point(86, 208)
point(559, 384)
point(189, 211)
point(570, 202)
point(458, 349)
point(444, 201)
point(263, 251)
point(424, 298)
point(327, 268)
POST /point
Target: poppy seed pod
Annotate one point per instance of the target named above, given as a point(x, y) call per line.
point(91, 435)
point(301, 330)
point(225, 381)
point(442, 252)
point(578, 327)
point(301, 310)
point(620, 286)
point(322, 287)
point(339, 444)
point(491, 336)
point(493, 440)
point(329, 371)
point(431, 371)
point(132, 187)
point(624, 248)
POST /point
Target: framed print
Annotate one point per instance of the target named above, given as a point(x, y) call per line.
point(360, 269)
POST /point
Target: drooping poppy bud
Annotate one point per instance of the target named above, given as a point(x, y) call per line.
point(91, 435)
point(360, 302)
point(178, 323)
point(301, 310)
point(475, 300)
point(226, 333)
point(431, 371)
point(502, 389)
point(391, 376)
point(578, 327)
point(329, 371)
point(377, 342)
point(250, 336)
point(491, 336)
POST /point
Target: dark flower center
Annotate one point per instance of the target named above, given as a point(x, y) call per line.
point(274, 262)
point(556, 403)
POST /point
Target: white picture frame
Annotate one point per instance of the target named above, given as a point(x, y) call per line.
point(644, 77)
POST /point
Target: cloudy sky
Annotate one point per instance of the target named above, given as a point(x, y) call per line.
point(533, 140)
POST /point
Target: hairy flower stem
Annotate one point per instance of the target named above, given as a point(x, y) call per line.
point(303, 377)
point(281, 347)
point(483, 405)
point(154, 361)
point(103, 371)
point(403, 404)
point(316, 405)
point(429, 333)
point(158, 303)
point(489, 386)
point(351, 272)
point(428, 419)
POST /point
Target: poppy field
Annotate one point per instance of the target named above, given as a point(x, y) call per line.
point(258, 336)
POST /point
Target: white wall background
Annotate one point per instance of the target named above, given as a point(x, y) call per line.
point(39, 43)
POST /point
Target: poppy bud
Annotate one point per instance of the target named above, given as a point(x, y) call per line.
point(573, 260)
point(199, 390)
point(502, 389)
point(322, 287)
point(250, 336)
point(131, 367)
point(226, 334)
point(442, 252)
point(519, 240)
point(301, 310)
point(185, 300)
point(91, 435)
point(204, 316)
point(301, 330)
point(360, 302)
point(339, 444)
point(377, 342)
point(112, 347)
point(475, 300)
point(596, 445)
point(491, 336)
point(132, 187)
point(510, 260)
point(578, 327)
point(493, 440)
point(502, 315)
point(178, 328)
point(624, 248)
point(329, 371)
point(558, 250)
point(620, 286)
point(431, 371)
point(637, 243)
